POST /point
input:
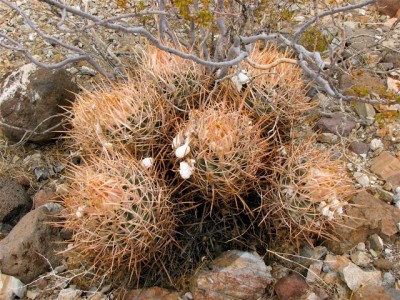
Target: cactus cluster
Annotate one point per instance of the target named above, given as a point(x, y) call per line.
point(165, 147)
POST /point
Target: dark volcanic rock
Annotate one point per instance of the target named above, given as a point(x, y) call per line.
point(339, 124)
point(31, 100)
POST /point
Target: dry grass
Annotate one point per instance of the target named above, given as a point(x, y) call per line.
point(121, 218)
point(307, 192)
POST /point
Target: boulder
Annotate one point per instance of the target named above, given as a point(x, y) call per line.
point(387, 167)
point(14, 201)
point(31, 102)
point(233, 275)
point(366, 216)
point(32, 244)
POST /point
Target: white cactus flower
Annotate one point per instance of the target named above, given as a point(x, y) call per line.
point(183, 150)
point(186, 168)
point(147, 162)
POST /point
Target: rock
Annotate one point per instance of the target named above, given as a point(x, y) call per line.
point(43, 197)
point(383, 264)
point(338, 124)
point(389, 281)
point(376, 144)
point(359, 147)
point(371, 292)
point(11, 287)
point(291, 287)
point(314, 271)
point(361, 178)
point(359, 39)
point(389, 7)
point(366, 215)
point(361, 259)
point(335, 262)
point(309, 255)
point(393, 85)
point(355, 277)
point(14, 201)
point(387, 167)
point(233, 275)
point(384, 195)
point(375, 242)
point(31, 100)
point(154, 293)
point(365, 111)
point(69, 294)
point(392, 57)
point(360, 82)
point(24, 251)
point(328, 138)
point(395, 294)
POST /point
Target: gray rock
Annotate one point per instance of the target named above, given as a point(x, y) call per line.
point(31, 101)
point(360, 38)
point(233, 275)
point(355, 277)
point(32, 244)
point(69, 294)
point(314, 271)
point(339, 124)
point(14, 201)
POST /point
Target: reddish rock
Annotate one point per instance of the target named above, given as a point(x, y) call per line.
point(383, 264)
point(339, 124)
point(387, 167)
point(336, 262)
point(233, 275)
point(390, 8)
point(367, 215)
point(291, 287)
point(359, 80)
point(359, 147)
point(154, 293)
point(31, 101)
point(29, 248)
point(371, 292)
point(14, 201)
point(43, 197)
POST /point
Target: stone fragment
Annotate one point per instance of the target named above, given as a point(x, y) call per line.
point(29, 248)
point(383, 264)
point(359, 147)
point(376, 144)
point(371, 292)
point(69, 294)
point(384, 195)
point(14, 201)
point(308, 255)
point(233, 275)
point(328, 138)
point(376, 242)
point(389, 7)
point(11, 287)
point(361, 259)
point(366, 215)
point(365, 111)
point(154, 293)
point(355, 277)
point(339, 124)
point(359, 39)
point(335, 262)
point(314, 271)
point(393, 85)
point(43, 197)
point(32, 100)
point(361, 178)
point(387, 167)
point(291, 287)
